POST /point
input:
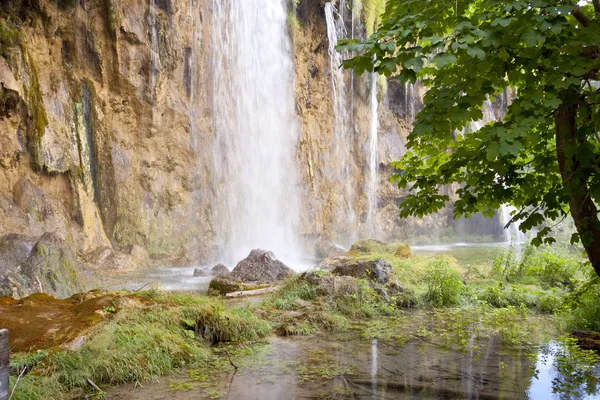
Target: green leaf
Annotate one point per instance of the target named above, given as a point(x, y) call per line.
point(444, 59)
point(501, 22)
point(533, 37)
point(476, 52)
point(414, 63)
point(492, 151)
point(408, 75)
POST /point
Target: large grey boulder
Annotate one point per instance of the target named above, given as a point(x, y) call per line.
point(47, 265)
point(261, 266)
point(220, 270)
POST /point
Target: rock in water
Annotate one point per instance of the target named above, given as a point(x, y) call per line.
point(219, 270)
point(261, 266)
point(375, 270)
point(199, 272)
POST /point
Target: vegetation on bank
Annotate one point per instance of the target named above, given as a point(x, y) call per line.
point(540, 155)
point(149, 334)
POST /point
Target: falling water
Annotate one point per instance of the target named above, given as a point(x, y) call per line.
point(154, 49)
point(372, 188)
point(342, 150)
point(255, 128)
point(512, 232)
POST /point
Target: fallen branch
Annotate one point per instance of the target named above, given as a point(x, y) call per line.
point(255, 292)
point(92, 384)
point(230, 360)
point(17, 382)
point(137, 290)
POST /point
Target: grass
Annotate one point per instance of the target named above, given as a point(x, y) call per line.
point(141, 344)
point(166, 332)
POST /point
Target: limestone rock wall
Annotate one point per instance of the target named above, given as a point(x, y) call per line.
point(106, 125)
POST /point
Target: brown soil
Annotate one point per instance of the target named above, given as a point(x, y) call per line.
point(42, 321)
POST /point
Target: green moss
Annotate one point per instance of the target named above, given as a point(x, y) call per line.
point(372, 14)
point(9, 36)
point(35, 103)
point(169, 332)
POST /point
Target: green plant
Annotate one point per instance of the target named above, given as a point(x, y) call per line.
point(576, 370)
point(541, 157)
point(583, 312)
point(444, 284)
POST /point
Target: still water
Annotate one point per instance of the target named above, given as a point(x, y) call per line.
point(342, 366)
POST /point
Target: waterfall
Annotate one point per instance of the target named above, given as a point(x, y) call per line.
point(154, 48)
point(372, 188)
point(512, 232)
point(342, 146)
point(255, 182)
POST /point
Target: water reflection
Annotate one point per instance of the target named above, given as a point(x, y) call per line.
point(343, 367)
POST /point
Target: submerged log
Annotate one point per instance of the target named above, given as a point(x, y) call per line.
point(255, 292)
point(4, 364)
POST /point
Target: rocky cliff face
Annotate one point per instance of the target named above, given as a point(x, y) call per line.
point(106, 126)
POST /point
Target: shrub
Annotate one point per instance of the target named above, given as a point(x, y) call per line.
point(444, 284)
point(584, 312)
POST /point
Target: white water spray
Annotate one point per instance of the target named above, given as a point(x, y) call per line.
point(342, 151)
point(154, 49)
point(255, 129)
point(512, 232)
point(372, 187)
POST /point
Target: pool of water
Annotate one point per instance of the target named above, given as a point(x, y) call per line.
point(465, 253)
point(165, 278)
point(343, 367)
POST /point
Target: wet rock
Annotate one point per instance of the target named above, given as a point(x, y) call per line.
point(326, 248)
point(219, 270)
point(224, 285)
point(53, 268)
point(375, 270)
point(47, 264)
point(139, 254)
point(105, 258)
point(588, 340)
point(261, 266)
point(29, 198)
point(199, 272)
point(331, 285)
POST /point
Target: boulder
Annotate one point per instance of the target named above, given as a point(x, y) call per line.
point(325, 248)
point(50, 267)
point(199, 272)
point(331, 285)
point(139, 254)
point(219, 270)
point(225, 284)
point(375, 270)
point(261, 266)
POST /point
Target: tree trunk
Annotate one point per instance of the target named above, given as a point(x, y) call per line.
point(574, 177)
